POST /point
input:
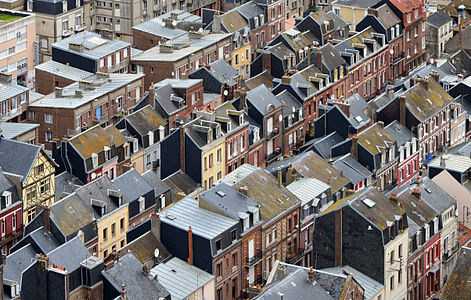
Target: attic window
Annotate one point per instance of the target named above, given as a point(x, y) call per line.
point(135, 146)
point(94, 160)
point(7, 196)
point(368, 202)
point(107, 151)
point(151, 138)
point(221, 193)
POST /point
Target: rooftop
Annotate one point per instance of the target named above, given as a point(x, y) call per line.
point(180, 278)
point(438, 19)
point(91, 45)
point(17, 157)
point(307, 189)
point(186, 213)
point(14, 130)
point(458, 285)
point(10, 90)
point(64, 71)
point(452, 162)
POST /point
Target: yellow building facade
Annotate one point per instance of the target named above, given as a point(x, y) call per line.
point(213, 157)
point(241, 59)
point(38, 188)
point(349, 14)
point(111, 230)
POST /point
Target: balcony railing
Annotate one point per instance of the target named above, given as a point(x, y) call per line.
point(271, 157)
point(447, 255)
point(296, 257)
point(273, 134)
point(18, 232)
point(254, 259)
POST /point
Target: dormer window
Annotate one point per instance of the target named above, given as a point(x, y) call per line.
point(135, 146)
point(256, 135)
point(29, 5)
point(94, 160)
point(151, 138)
point(77, 4)
point(229, 127)
point(246, 223)
point(256, 215)
point(7, 196)
point(142, 204)
point(107, 151)
point(64, 6)
point(262, 17)
point(241, 119)
point(255, 19)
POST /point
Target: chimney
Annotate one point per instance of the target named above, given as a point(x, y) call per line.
point(311, 275)
point(58, 92)
point(424, 82)
point(354, 149)
point(244, 191)
point(290, 174)
point(145, 270)
point(180, 195)
point(372, 11)
point(190, 246)
point(266, 62)
point(243, 100)
point(280, 273)
point(122, 293)
point(286, 79)
point(416, 192)
point(43, 261)
point(217, 21)
point(151, 96)
point(435, 76)
point(394, 198)
point(184, 76)
point(380, 124)
point(412, 81)
point(182, 147)
point(280, 177)
point(46, 215)
point(5, 77)
point(341, 172)
point(155, 226)
point(319, 59)
point(338, 238)
point(344, 107)
point(402, 110)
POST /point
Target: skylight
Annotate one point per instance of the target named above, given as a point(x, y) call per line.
point(358, 119)
point(368, 202)
point(221, 193)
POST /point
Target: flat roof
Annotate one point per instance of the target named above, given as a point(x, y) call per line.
point(452, 162)
point(94, 45)
point(62, 70)
point(70, 100)
point(13, 130)
point(9, 90)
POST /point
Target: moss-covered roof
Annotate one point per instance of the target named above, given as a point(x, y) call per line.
point(426, 98)
point(96, 138)
point(375, 139)
point(233, 21)
point(458, 285)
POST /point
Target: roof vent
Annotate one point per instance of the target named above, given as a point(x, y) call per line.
point(221, 193)
point(171, 217)
point(368, 202)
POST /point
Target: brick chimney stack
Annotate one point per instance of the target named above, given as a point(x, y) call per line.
point(151, 96)
point(190, 246)
point(354, 149)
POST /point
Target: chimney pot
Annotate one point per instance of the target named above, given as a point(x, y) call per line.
point(311, 275)
point(381, 124)
point(416, 192)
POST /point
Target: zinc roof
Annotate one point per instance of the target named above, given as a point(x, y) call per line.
point(64, 71)
point(13, 130)
point(453, 162)
point(186, 213)
point(9, 90)
point(307, 189)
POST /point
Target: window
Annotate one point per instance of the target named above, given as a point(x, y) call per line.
point(48, 135)
point(218, 245)
point(11, 50)
point(113, 229)
point(121, 224)
point(39, 169)
point(14, 221)
point(219, 270)
point(210, 161)
point(408, 17)
point(48, 118)
point(44, 186)
point(234, 259)
point(29, 5)
point(391, 283)
point(94, 160)
point(219, 155)
point(105, 234)
point(234, 235)
point(64, 6)
point(3, 227)
point(416, 13)
point(7, 196)
point(237, 59)
point(142, 204)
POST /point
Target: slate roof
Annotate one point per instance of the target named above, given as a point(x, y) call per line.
point(352, 169)
point(7, 185)
point(434, 196)
point(357, 3)
point(97, 189)
point(180, 181)
point(399, 132)
point(159, 186)
point(262, 99)
point(70, 215)
point(94, 45)
point(62, 70)
point(250, 10)
point(311, 165)
point(387, 17)
point(10, 90)
point(132, 185)
point(358, 106)
point(95, 139)
point(457, 285)
point(224, 72)
point(17, 262)
point(228, 200)
point(371, 286)
point(205, 223)
point(164, 96)
point(331, 57)
point(438, 19)
point(263, 188)
point(146, 119)
point(264, 78)
point(324, 144)
point(65, 184)
point(17, 157)
point(69, 255)
point(295, 285)
point(288, 102)
point(233, 21)
point(143, 248)
point(375, 139)
point(128, 271)
point(180, 278)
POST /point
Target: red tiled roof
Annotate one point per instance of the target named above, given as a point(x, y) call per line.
point(406, 5)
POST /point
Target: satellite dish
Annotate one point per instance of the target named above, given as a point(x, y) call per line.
point(156, 252)
point(225, 92)
point(280, 118)
point(174, 23)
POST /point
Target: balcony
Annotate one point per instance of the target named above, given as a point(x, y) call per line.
point(397, 59)
point(118, 66)
point(273, 134)
point(448, 255)
point(296, 257)
point(254, 259)
point(80, 27)
point(10, 114)
point(67, 32)
point(119, 110)
point(274, 155)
